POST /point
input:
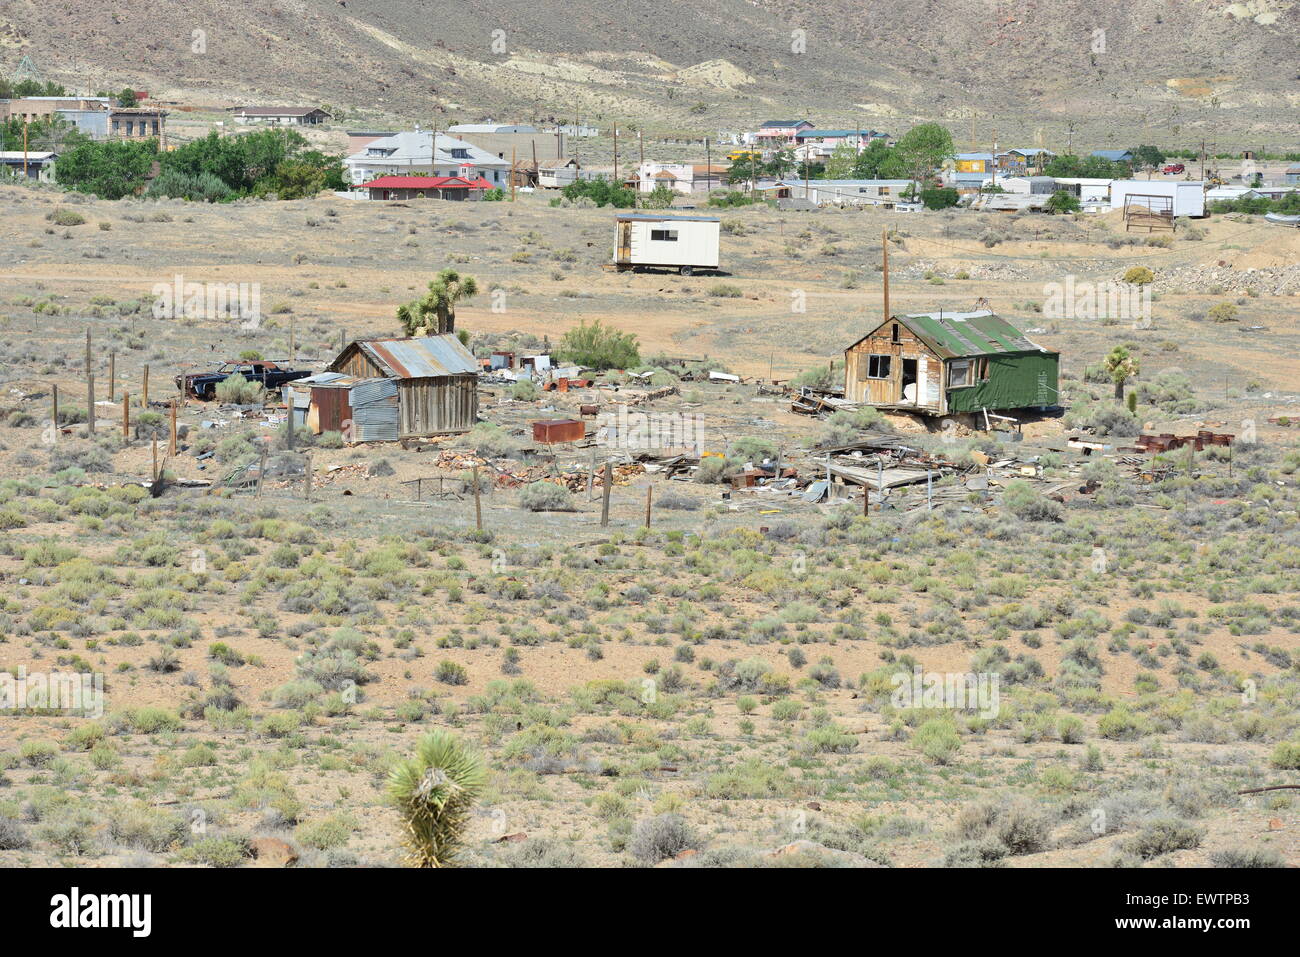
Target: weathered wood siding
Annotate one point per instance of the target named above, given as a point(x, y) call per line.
point(859, 388)
point(358, 364)
point(438, 405)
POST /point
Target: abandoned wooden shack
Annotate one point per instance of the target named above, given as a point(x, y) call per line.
point(947, 363)
point(436, 379)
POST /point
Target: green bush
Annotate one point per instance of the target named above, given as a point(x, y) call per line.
point(545, 497)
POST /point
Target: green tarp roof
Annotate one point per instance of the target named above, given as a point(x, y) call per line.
point(960, 334)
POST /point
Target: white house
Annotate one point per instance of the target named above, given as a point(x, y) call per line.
point(280, 115)
point(413, 152)
point(846, 192)
point(1028, 185)
point(33, 165)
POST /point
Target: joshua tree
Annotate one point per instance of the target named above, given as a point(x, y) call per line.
point(434, 792)
point(1121, 366)
point(436, 312)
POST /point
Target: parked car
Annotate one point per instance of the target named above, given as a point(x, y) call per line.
point(203, 385)
point(1173, 168)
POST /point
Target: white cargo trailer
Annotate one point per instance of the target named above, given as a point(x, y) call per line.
point(1181, 197)
point(656, 240)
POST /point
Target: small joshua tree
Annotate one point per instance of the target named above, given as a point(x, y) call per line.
point(434, 792)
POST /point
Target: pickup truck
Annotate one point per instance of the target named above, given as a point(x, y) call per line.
point(203, 385)
point(1173, 168)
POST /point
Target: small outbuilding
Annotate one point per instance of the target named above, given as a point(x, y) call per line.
point(436, 381)
point(946, 363)
point(657, 240)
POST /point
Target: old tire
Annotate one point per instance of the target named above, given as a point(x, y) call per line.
point(686, 270)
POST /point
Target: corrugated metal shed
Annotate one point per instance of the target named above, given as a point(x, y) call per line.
point(423, 358)
point(430, 383)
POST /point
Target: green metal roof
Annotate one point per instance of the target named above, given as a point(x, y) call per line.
point(960, 334)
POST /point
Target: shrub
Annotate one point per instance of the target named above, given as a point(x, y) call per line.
point(545, 497)
point(525, 390)
point(1026, 502)
point(1286, 756)
point(451, 673)
point(237, 390)
point(1163, 836)
point(937, 739)
point(1139, 276)
point(1235, 857)
point(434, 792)
point(1224, 312)
point(13, 836)
point(599, 347)
point(659, 838)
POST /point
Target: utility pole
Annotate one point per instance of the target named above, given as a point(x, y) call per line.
point(615, 152)
point(994, 164)
point(708, 168)
point(884, 248)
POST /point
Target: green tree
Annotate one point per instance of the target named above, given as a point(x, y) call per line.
point(661, 197)
point(1121, 366)
point(436, 311)
point(1148, 157)
point(842, 161)
point(127, 98)
point(922, 150)
point(110, 170)
point(435, 792)
point(597, 346)
point(939, 198)
point(1062, 202)
point(870, 163)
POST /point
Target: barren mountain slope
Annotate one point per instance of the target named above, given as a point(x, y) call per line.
point(1179, 69)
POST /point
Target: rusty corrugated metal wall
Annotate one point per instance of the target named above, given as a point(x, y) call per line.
point(430, 406)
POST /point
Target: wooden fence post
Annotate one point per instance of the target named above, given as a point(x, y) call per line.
point(126, 418)
point(604, 498)
point(649, 494)
point(171, 445)
point(144, 394)
point(478, 504)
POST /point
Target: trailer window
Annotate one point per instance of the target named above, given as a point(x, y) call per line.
point(663, 235)
point(959, 372)
point(878, 367)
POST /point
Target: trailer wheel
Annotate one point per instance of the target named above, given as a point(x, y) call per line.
point(686, 270)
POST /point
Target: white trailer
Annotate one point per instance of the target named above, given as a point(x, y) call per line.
point(1182, 197)
point(656, 240)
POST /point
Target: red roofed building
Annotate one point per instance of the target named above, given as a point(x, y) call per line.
point(426, 187)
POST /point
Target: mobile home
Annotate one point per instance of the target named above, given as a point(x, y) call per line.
point(656, 240)
point(949, 363)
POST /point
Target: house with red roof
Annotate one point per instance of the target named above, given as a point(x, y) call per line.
point(426, 187)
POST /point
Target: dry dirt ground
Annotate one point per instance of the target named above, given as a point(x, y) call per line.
point(720, 680)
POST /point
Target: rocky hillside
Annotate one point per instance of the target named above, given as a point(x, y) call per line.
point(1178, 69)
